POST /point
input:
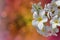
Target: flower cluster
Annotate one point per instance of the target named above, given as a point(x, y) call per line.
point(41, 16)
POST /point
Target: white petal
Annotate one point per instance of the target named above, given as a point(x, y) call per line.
point(56, 30)
point(45, 19)
point(48, 28)
point(56, 12)
point(54, 26)
point(58, 3)
point(35, 15)
point(48, 5)
point(49, 14)
point(40, 25)
point(55, 16)
point(40, 32)
point(59, 19)
point(58, 24)
point(52, 20)
point(35, 23)
point(45, 7)
point(42, 13)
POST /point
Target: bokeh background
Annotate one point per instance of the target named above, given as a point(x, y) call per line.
point(20, 20)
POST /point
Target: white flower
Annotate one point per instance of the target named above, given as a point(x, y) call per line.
point(39, 21)
point(49, 31)
point(43, 31)
point(54, 31)
point(58, 3)
point(55, 21)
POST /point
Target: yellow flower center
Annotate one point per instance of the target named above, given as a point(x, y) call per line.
point(56, 21)
point(39, 19)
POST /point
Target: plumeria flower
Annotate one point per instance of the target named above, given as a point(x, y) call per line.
point(53, 4)
point(39, 20)
point(54, 31)
point(55, 21)
point(56, 18)
point(44, 32)
point(48, 31)
point(58, 3)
